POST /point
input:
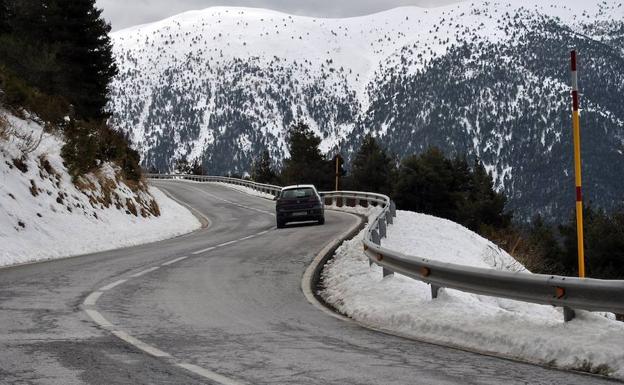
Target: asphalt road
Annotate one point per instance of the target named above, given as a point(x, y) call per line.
point(231, 312)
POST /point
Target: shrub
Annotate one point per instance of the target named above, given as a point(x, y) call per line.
point(87, 144)
point(17, 95)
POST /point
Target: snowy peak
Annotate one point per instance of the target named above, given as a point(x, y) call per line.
point(224, 83)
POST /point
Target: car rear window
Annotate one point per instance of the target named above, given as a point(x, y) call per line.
point(296, 193)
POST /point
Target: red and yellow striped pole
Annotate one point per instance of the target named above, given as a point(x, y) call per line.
point(577, 166)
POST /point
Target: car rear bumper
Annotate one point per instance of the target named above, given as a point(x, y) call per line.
point(300, 215)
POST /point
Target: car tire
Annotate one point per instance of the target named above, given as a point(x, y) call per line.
point(280, 224)
point(321, 221)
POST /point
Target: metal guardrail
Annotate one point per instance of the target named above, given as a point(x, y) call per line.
point(567, 292)
point(265, 188)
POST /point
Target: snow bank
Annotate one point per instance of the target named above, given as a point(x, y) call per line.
point(44, 215)
point(246, 190)
point(535, 333)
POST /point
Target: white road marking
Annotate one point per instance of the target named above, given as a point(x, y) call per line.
point(149, 349)
point(203, 250)
point(234, 203)
point(209, 374)
point(112, 285)
point(145, 271)
point(92, 298)
point(174, 261)
point(228, 243)
point(98, 318)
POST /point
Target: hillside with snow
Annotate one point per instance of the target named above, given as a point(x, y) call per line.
point(592, 342)
point(45, 214)
point(488, 79)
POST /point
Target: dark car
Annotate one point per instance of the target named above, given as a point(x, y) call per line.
point(299, 203)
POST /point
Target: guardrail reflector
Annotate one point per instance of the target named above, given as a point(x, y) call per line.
point(379, 257)
point(425, 271)
point(560, 292)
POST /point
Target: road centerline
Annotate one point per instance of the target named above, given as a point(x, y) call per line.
point(174, 261)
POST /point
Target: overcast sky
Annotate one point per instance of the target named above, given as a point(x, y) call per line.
point(125, 13)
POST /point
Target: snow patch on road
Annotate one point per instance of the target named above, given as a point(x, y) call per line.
point(535, 333)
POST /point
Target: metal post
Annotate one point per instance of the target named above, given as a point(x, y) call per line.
point(375, 240)
point(568, 314)
point(375, 237)
point(577, 166)
point(434, 291)
point(382, 228)
point(389, 218)
point(337, 172)
point(392, 208)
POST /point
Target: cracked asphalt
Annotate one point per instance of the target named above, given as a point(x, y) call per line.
point(236, 310)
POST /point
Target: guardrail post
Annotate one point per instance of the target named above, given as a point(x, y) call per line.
point(382, 228)
point(386, 272)
point(389, 218)
point(375, 237)
point(375, 240)
point(568, 314)
point(434, 291)
point(392, 208)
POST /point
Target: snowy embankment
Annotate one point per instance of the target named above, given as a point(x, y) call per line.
point(535, 333)
point(44, 215)
point(246, 190)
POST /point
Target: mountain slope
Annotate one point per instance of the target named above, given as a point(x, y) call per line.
point(483, 78)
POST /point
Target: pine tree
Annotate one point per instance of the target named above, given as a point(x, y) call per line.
point(372, 169)
point(491, 204)
point(196, 168)
point(5, 16)
point(261, 170)
point(182, 166)
point(543, 239)
point(432, 184)
point(306, 163)
point(603, 241)
point(85, 53)
point(424, 185)
point(61, 49)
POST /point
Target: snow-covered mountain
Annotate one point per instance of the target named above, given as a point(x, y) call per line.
point(483, 78)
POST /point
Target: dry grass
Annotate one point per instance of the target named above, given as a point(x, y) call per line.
point(518, 247)
point(141, 203)
point(5, 129)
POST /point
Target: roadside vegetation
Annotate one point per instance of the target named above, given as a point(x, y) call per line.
point(55, 67)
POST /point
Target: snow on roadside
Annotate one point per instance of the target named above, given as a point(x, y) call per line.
point(246, 190)
point(44, 215)
point(529, 332)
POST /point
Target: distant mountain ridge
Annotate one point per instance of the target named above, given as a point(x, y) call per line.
point(483, 78)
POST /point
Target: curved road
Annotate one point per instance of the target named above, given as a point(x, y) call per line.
point(232, 312)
